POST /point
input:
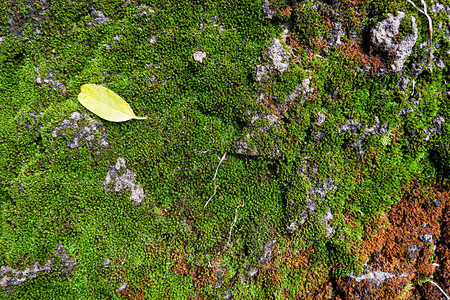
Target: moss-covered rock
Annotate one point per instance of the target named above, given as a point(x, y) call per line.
point(277, 137)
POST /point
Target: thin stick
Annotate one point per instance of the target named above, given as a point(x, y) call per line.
point(430, 281)
point(214, 179)
point(430, 28)
point(234, 222)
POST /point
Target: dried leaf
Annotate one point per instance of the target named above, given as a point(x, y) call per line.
point(106, 104)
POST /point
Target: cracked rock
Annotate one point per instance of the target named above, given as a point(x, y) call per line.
point(120, 178)
point(382, 36)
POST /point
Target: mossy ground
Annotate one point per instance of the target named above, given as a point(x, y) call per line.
point(171, 247)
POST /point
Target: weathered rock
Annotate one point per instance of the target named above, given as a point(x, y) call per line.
point(106, 263)
point(17, 276)
point(242, 148)
point(436, 127)
point(303, 90)
point(144, 10)
point(228, 295)
point(153, 40)
point(350, 125)
point(316, 193)
point(268, 12)
point(439, 7)
point(321, 117)
point(51, 81)
point(326, 219)
point(151, 79)
point(199, 56)
point(382, 36)
point(262, 74)
point(99, 17)
point(268, 250)
point(354, 127)
point(336, 34)
point(120, 178)
point(85, 130)
point(377, 277)
point(413, 251)
point(426, 238)
point(122, 287)
point(279, 57)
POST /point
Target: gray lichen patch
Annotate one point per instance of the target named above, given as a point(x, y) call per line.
point(377, 277)
point(303, 90)
point(99, 17)
point(382, 36)
point(120, 178)
point(316, 194)
point(85, 131)
point(13, 277)
point(436, 127)
point(50, 81)
point(268, 12)
point(279, 57)
point(354, 128)
point(326, 219)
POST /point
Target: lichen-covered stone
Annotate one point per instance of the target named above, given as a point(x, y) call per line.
point(120, 178)
point(20, 276)
point(382, 36)
point(279, 57)
point(88, 132)
point(268, 12)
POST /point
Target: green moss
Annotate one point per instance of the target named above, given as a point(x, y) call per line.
point(51, 194)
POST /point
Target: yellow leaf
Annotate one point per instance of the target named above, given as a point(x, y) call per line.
point(106, 104)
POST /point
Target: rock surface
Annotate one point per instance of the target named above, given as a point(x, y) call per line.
point(383, 34)
point(86, 131)
point(119, 178)
point(18, 276)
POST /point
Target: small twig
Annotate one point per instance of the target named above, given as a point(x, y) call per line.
point(214, 179)
point(430, 28)
point(446, 296)
point(413, 85)
point(234, 222)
